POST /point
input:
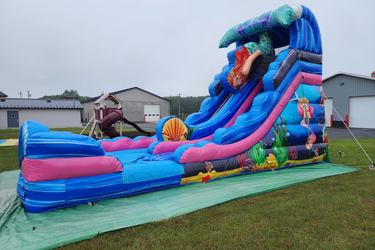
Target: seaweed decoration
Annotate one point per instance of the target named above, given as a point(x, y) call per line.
point(325, 138)
point(280, 142)
point(327, 156)
point(258, 153)
point(190, 131)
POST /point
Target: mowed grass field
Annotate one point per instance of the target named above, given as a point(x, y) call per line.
point(331, 213)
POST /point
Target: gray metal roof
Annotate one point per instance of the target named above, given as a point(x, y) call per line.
point(119, 91)
point(349, 74)
point(39, 104)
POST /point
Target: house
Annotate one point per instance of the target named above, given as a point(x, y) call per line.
point(353, 96)
point(53, 113)
point(70, 96)
point(138, 105)
point(2, 95)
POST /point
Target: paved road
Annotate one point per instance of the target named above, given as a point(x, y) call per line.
point(343, 133)
point(333, 133)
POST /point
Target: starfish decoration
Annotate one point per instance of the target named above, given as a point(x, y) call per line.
point(186, 181)
point(204, 179)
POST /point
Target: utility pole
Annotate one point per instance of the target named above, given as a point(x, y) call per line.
point(20, 93)
point(28, 94)
point(179, 106)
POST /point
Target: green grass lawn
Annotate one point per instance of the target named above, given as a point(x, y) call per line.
point(337, 212)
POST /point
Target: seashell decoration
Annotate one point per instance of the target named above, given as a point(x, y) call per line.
point(174, 130)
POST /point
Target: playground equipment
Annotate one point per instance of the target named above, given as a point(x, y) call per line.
point(104, 117)
point(265, 112)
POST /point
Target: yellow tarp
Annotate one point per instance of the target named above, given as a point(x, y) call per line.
point(9, 142)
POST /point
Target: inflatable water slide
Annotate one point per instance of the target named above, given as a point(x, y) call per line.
point(265, 112)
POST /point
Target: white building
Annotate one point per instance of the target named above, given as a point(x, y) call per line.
point(53, 113)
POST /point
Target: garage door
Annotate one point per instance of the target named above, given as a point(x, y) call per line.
point(362, 112)
point(152, 113)
point(328, 110)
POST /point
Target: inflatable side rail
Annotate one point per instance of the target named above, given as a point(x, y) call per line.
point(210, 105)
point(124, 143)
point(46, 155)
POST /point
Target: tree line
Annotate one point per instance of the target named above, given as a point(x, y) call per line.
point(66, 92)
point(186, 105)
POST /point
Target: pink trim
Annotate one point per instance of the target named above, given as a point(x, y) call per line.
point(126, 143)
point(213, 151)
point(165, 147)
point(311, 79)
point(66, 168)
point(170, 146)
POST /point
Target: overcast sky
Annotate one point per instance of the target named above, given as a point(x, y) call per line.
point(167, 47)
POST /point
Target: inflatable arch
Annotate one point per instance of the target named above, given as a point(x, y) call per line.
point(265, 112)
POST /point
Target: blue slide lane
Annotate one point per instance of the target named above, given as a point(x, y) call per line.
point(221, 118)
point(262, 106)
point(209, 106)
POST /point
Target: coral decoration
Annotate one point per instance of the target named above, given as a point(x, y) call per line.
point(293, 153)
point(242, 159)
point(174, 130)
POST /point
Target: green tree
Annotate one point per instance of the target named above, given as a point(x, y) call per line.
point(66, 92)
point(189, 104)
